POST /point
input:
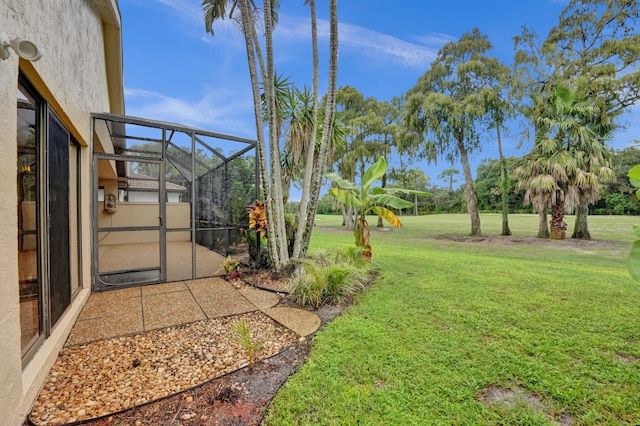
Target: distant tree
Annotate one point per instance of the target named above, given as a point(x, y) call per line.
point(489, 186)
point(500, 108)
point(594, 48)
point(569, 161)
point(444, 201)
point(350, 157)
point(620, 194)
point(448, 174)
point(449, 103)
point(409, 178)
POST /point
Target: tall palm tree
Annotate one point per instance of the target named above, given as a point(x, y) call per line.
point(303, 234)
point(315, 175)
point(569, 161)
point(245, 12)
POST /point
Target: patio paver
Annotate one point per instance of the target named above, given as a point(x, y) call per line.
point(163, 288)
point(225, 307)
point(262, 299)
point(215, 288)
point(103, 318)
point(140, 309)
point(299, 321)
point(168, 309)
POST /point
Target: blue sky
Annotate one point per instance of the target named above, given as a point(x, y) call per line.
point(175, 71)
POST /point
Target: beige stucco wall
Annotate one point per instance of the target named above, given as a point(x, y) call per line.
point(72, 76)
point(142, 214)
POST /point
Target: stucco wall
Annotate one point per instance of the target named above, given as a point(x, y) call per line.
point(142, 214)
point(72, 77)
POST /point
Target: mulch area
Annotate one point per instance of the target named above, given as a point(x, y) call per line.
point(239, 398)
point(267, 281)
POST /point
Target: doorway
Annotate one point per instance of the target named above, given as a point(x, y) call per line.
point(47, 182)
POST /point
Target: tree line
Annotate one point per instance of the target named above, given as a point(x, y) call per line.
point(571, 87)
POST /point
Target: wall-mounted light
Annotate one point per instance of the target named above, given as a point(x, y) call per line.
point(24, 48)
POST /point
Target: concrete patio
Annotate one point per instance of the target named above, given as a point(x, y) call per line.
point(141, 309)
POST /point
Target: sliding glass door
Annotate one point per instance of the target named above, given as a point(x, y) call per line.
point(48, 244)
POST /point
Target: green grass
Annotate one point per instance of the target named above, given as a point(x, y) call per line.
point(448, 320)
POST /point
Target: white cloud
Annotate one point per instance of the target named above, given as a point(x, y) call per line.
point(436, 40)
point(362, 41)
point(357, 40)
point(223, 110)
point(185, 9)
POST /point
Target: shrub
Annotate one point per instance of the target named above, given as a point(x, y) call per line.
point(354, 256)
point(258, 249)
point(328, 279)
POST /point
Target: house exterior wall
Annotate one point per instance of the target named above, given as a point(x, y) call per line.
point(131, 214)
point(76, 78)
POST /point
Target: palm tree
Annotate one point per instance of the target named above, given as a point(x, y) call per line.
point(262, 69)
point(245, 12)
point(303, 233)
point(327, 132)
point(538, 188)
point(569, 161)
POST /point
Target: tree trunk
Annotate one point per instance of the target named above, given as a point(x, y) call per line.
point(300, 245)
point(472, 204)
point(415, 204)
point(558, 225)
point(581, 230)
point(328, 125)
point(274, 145)
point(504, 196)
point(349, 221)
point(543, 227)
point(247, 24)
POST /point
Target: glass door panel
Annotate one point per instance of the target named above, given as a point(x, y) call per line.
point(28, 205)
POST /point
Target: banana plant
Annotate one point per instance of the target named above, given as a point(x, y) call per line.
point(367, 199)
point(633, 261)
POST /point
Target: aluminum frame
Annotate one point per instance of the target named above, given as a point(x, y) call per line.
point(167, 131)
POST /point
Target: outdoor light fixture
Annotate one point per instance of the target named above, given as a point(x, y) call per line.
point(24, 48)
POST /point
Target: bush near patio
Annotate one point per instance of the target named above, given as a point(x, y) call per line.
point(331, 278)
point(449, 320)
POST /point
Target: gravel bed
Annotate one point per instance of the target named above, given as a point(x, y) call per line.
point(266, 281)
point(108, 376)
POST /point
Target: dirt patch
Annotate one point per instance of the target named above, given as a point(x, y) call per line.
point(628, 358)
point(530, 241)
point(509, 398)
point(239, 398)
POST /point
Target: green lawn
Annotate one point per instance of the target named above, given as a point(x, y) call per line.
point(447, 321)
